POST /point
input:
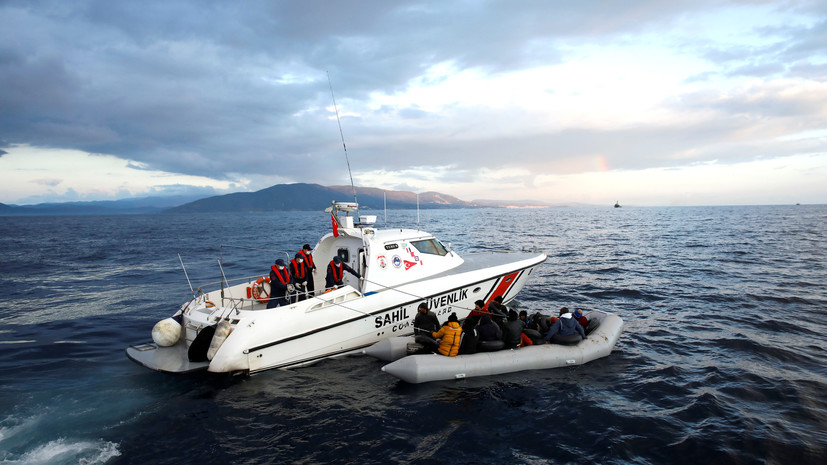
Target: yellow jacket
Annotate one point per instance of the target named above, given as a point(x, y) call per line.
point(449, 337)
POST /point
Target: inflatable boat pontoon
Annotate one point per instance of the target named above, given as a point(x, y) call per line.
point(434, 367)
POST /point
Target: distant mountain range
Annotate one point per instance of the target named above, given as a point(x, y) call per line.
point(293, 197)
point(144, 205)
point(281, 197)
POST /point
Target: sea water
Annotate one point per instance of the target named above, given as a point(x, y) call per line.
point(722, 358)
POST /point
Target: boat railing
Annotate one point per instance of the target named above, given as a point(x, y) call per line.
point(323, 299)
point(229, 281)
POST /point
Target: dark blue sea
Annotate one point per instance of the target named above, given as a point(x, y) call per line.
point(723, 358)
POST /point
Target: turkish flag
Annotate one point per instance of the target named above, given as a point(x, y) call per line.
point(335, 225)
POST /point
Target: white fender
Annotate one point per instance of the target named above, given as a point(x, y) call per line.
point(221, 332)
point(166, 332)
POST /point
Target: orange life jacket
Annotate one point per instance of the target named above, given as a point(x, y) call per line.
point(308, 258)
point(284, 279)
point(299, 268)
point(340, 270)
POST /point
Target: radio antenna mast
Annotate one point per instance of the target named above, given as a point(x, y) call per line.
point(343, 143)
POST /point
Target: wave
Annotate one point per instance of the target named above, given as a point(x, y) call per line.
point(62, 451)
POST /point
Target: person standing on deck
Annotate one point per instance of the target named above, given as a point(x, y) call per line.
point(279, 281)
point(298, 273)
point(336, 273)
point(311, 268)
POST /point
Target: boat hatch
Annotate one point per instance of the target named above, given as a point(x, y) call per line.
point(335, 301)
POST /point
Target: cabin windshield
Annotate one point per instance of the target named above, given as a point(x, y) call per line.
point(430, 246)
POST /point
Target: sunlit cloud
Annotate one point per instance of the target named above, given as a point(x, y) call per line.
point(86, 177)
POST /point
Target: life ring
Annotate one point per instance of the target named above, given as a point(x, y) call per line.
point(259, 292)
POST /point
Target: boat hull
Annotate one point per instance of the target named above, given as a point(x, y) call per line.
point(363, 321)
point(433, 367)
point(332, 324)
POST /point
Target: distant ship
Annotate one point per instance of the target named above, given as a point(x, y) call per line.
point(617, 204)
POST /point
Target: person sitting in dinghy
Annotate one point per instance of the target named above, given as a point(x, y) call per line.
point(512, 336)
point(425, 321)
point(449, 337)
point(564, 326)
point(498, 311)
point(473, 318)
point(279, 281)
point(336, 273)
point(578, 315)
point(489, 331)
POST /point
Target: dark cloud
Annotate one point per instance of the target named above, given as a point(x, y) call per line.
point(225, 88)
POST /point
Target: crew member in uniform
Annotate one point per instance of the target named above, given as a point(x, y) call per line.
point(336, 273)
point(298, 273)
point(311, 268)
point(279, 280)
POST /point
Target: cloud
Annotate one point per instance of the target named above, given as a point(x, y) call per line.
point(426, 90)
point(47, 182)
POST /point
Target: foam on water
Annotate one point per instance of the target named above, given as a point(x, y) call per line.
point(62, 451)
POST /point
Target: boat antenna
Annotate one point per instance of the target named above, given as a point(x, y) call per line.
point(185, 274)
point(417, 211)
point(336, 108)
point(385, 196)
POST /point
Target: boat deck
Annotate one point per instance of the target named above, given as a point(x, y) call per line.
point(480, 261)
point(172, 359)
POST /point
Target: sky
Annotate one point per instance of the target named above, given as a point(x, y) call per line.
point(644, 102)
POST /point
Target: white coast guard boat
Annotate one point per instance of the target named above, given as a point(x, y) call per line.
point(400, 268)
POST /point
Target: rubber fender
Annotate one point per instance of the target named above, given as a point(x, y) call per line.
point(490, 346)
point(570, 340)
point(199, 347)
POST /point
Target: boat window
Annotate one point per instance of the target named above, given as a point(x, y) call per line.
point(430, 246)
point(344, 254)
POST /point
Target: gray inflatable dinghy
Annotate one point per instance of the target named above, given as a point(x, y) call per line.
point(433, 367)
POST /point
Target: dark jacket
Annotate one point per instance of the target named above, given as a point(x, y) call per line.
point(513, 331)
point(488, 330)
point(499, 312)
point(470, 338)
point(425, 324)
point(565, 327)
point(279, 279)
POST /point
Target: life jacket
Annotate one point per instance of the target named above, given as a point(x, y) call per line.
point(308, 258)
point(284, 279)
point(340, 270)
point(298, 268)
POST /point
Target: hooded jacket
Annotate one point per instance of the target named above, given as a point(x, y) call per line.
point(565, 326)
point(450, 337)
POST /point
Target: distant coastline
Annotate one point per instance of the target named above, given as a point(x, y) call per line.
point(280, 197)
